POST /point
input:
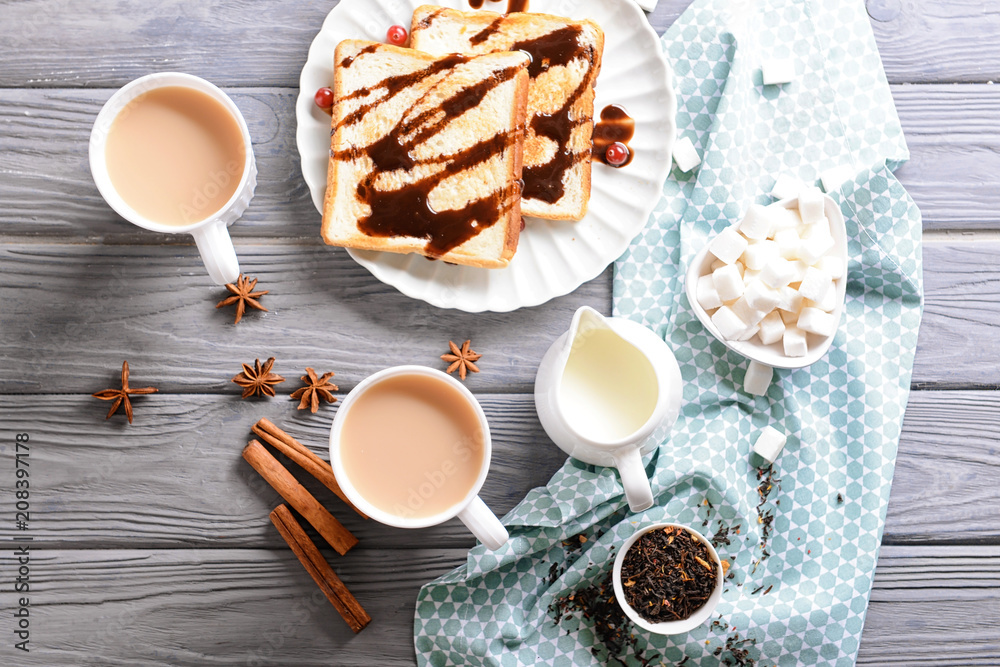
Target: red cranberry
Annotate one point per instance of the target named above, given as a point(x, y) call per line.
point(396, 35)
point(324, 98)
point(617, 154)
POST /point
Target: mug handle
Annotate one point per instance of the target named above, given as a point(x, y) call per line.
point(633, 475)
point(217, 252)
point(484, 524)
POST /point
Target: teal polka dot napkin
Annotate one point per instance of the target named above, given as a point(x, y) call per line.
point(801, 555)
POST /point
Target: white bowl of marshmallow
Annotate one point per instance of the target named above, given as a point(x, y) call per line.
point(771, 286)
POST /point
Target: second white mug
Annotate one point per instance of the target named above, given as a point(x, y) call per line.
point(417, 493)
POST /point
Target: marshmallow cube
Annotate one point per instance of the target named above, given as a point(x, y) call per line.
point(789, 317)
point(811, 205)
point(757, 379)
point(778, 272)
point(829, 302)
point(783, 218)
point(772, 328)
point(833, 178)
point(788, 243)
point(706, 293)
point(756, 223)
point(813, 248)
point(749, 276)
point(729, 323)
point(794, 342)
point(776, 71)
point(785, 187)
point(799, 267)
point(750, 333)
point(816, 321)
point(728, 245)
point(832, 265)
point(815, 284)
point(760, 297)
point(769, 443)
point(728, 282)
point(746, 312)
point(789, 299)
point(685, 154)
point(758, 254)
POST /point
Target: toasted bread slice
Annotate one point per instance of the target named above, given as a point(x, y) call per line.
point(566, 59)
point(425, 153)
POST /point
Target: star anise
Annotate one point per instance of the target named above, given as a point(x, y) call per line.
point(258, 379)
point(315, 389)
point(243, 295)
point(120, 396)
point(461, 359)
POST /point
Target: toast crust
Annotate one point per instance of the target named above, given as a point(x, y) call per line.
point(425, 153)
point(567, 58)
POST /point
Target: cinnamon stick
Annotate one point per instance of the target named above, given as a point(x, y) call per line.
point(302, 455)
point(321, 572)
point(298, 497)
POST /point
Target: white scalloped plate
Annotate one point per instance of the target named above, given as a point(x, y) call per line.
point(553, 258)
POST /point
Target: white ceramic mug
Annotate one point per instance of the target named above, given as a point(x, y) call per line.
point(211, 234)
point(471, 510)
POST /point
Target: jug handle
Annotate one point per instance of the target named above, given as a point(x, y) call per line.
point(633, 476)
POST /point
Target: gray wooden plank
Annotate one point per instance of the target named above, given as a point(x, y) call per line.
point(47, 189)
point(934, 605)
point(155, 305)
point(258, 607)
point(175, 477)
point(927, 41)
point(63, 303)
point(217, 607)
point(961, 314)
point(239, 44)
point(954, 169)
point(944, 489)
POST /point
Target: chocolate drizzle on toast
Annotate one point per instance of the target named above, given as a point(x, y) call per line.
point(346, 62)
point(558, 48)
point(406, 210)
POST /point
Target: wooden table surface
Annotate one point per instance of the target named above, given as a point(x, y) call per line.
point(151, 542)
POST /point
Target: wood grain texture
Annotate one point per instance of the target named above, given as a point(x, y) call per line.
point(47, 189)
point(175, 478)
point(238, 44)
point(932, 41)
point(234, 607)
point(934, 606)
point(961, 314)
point(954, 169)
point(63, 303)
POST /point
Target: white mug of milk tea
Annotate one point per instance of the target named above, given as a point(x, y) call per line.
point(410, 447)
point(171, 153)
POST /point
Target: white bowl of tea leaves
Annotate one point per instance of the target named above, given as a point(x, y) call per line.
point(668, 578)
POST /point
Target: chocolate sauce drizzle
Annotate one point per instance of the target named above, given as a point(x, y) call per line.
point(346, 62)
point(544, 182)
point(406, 211)
point(615, 125)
